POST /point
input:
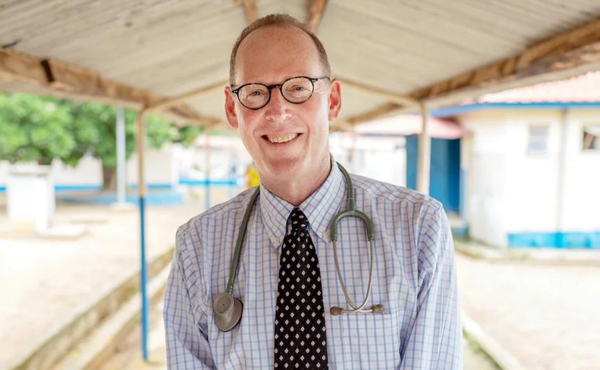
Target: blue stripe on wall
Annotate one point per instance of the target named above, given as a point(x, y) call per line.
point(93, 187)
point(460, 109)
point(562, 240)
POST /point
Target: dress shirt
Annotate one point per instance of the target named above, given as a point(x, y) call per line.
point(414, 277)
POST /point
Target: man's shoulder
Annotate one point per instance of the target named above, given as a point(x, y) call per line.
point(394, 194)
point(232, 206)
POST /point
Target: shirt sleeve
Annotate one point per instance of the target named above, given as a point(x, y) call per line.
point(435, 341)
point(185, 313)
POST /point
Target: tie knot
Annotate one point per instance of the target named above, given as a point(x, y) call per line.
point(298, 219)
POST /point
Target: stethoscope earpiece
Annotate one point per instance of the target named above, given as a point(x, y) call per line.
point(228, 311)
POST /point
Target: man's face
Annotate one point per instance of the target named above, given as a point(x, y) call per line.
point(269, 56)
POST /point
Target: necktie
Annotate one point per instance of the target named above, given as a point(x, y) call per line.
point(300, 340)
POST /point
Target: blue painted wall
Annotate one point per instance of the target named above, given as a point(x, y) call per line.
point(445, 170)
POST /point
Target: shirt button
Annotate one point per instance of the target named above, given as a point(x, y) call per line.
point(276, 241)
point(326, 234)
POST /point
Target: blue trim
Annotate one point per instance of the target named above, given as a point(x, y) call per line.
point(193, 182)
point(62, 188)
point(561, 240)
point(144, 278)
point(158, 186)
point(460, 109)
point(152, 199)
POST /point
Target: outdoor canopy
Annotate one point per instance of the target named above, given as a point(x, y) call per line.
point(392, 56)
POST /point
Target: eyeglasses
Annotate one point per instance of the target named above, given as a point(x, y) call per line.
point(296, 90)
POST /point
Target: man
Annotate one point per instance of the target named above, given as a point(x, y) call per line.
point(283, 120)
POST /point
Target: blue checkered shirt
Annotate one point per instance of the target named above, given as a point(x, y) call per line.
point(414, 277)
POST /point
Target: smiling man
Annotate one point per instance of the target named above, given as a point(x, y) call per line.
point(290, 306)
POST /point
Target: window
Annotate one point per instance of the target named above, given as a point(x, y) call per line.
point(538, 139)
point(591, 138)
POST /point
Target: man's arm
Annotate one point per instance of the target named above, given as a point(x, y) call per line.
point(436, 338)
point(185, 325)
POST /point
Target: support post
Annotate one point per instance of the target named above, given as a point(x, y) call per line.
point(424, 161)
point(560, 181)
point(121, 156)
point(207, 176)
point(142, 206)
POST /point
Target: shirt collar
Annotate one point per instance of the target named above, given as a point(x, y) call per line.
point(319, 208)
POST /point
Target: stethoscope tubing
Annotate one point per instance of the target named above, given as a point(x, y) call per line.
point(228, 310)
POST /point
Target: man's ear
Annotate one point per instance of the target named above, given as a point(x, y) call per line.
point(335, 100)
point(230, 108)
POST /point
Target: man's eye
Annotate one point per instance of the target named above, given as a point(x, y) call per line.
point(255, 93)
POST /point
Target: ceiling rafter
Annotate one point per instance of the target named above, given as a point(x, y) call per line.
point(250, 10)
point(567, 54)
point(73, 81)
point(567, 50)
point(316, 9)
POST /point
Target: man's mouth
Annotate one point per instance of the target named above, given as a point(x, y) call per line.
point(280, 139)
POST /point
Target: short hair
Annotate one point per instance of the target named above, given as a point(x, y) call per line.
point(279, 20)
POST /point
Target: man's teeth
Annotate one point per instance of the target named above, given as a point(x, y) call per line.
point(282, 139)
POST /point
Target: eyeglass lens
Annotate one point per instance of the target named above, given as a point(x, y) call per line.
point(295, 90)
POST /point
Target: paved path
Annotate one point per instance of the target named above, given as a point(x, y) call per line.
point(44, 282)
point(548, 317)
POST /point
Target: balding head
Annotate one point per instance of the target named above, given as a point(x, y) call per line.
point(281, 21)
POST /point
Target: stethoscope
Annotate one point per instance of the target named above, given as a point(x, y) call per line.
point(228, 310)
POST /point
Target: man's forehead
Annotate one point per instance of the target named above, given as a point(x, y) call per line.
point(277, 51)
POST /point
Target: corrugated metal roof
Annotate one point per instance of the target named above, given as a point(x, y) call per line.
point(172, 47)
point(412, 125)
point(580, 89)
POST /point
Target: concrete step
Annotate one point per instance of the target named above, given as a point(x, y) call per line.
point(55, 345)
point(101, 345)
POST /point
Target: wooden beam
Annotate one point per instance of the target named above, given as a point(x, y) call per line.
point(340, 126)
point(66, 80)
point(250, 10)
point(189, 95)
point(316, 9)
point(566, 51)
point(379, 112)
point(17, 67)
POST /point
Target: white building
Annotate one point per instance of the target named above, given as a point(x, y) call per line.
point(532, 165)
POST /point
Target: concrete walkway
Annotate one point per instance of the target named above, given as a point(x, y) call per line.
point(45, 281)
point(546, 316)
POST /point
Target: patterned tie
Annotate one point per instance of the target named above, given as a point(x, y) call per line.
point(300, 340)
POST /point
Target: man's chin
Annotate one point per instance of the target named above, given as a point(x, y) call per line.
point(284, 166)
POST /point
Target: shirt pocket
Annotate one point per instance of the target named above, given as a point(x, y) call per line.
point(371, 341)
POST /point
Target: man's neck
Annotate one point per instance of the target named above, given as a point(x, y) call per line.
point(296, 190)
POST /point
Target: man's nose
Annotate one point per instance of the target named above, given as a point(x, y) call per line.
point(278, 108)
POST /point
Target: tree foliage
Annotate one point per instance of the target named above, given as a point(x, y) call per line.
point(40, 129)
point(37, 129)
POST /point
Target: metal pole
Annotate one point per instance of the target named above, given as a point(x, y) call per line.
point(207, 177)
point(142, 205)
point(121, 156)
point(424, 161)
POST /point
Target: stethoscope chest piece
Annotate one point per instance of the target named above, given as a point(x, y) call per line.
point(228, 311)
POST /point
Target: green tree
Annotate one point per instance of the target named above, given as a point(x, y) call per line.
point(40, 129)
point(34, 130)
point(98, 121)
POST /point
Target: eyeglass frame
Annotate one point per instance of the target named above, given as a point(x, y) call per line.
point(312, 80)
